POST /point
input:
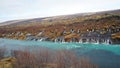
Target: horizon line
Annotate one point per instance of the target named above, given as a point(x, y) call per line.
point(60, 15)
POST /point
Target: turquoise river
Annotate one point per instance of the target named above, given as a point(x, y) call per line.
point(105, 55)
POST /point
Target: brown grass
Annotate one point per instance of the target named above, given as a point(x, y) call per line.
point(45, 58)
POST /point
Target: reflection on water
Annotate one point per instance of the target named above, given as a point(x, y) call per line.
point(105, 55)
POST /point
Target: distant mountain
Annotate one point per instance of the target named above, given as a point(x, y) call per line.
point(42, 20)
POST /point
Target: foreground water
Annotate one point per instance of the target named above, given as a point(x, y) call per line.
point(104, 55)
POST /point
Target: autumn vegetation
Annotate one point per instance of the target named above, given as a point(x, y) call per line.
point(54, 28)
point(2, 52)
point(46, 58)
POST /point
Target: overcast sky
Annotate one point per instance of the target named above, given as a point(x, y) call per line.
point(23, 9)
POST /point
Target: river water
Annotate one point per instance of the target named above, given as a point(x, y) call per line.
point(104, 55)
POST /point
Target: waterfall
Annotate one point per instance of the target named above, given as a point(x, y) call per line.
point(41, 39)
point(59, 39)
point(87, 41)
point(98, 42)
point(55, 40)
point(80, 41)
point(62, 40)
point(108, 41)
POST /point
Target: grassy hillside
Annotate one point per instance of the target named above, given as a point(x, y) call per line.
point(53, 27)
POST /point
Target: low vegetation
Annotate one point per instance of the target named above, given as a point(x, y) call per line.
point(45, 58)
point(2, 52)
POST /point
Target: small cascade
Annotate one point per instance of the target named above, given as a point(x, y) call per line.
point(105, 42)
point(80, 41)
point(63, 41)
point(55, 40)
point(108, 41)
point(71, 40)
point(59, 40)
point(41, 39)
point(98, 42)
point(87, 41)
point(94, 41)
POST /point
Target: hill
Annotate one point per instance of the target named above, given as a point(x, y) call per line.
point(63, 19)
point(53, 27)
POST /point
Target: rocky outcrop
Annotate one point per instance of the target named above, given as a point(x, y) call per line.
point(116, 38)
